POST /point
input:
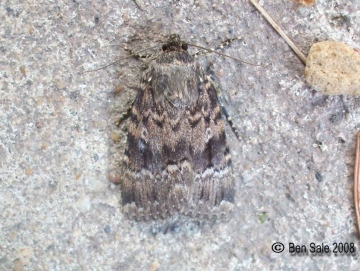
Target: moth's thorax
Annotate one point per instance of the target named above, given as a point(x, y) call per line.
point(177, 56)
point(174, 78)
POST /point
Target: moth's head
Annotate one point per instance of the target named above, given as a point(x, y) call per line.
point(174, 43)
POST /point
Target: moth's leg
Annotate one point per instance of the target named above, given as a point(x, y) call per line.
point(124, 115)
point(223, 109)
point(229, 120)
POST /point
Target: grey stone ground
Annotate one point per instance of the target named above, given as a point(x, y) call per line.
point(293, 168)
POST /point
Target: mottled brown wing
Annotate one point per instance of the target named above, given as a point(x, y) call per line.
point(177, 160)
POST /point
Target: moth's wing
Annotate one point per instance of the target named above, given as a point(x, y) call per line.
point(177, 159)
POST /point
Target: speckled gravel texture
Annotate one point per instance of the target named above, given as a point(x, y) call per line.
point(59, 144)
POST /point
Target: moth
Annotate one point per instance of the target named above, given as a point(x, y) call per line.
point(176, 160)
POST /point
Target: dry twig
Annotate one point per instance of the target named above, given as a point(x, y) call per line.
point(357, 181)
point(300, 55)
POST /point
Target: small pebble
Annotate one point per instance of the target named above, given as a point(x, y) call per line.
point(114, 177)
point(107, 229)
point(333, 68)
point(84, 204)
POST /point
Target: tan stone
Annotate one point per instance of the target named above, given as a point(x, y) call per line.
point(333, 68)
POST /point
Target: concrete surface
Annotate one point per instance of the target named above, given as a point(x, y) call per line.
point(58, 143)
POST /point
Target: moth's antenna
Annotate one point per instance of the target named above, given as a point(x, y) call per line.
point(224, 55)
point(116, 61)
